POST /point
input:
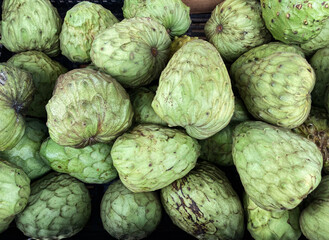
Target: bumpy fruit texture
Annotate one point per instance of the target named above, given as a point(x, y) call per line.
point(204, 204)
point(87, 107)
point(294, 22)
point(320, 64)
point(271, 225)
point(150, 157)
point(81, 25)
point(141, 100)
point(314, 219)
point(218, 148)
point(134, 51)
point(16, 93)
point(174, 15)
point(275, 86)
point(59, 207)
point(128, 215)
point(179, 42)
point(195, 91)
point(14, 192)
point(235, 26)
point(320, 41)
point(91, 164)
point(30, 25)
point(241, 113)
point(45, 72)
point(26, 153)
point(316, 129)
point(277, 167)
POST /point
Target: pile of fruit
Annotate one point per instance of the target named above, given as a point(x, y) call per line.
point(161, 116)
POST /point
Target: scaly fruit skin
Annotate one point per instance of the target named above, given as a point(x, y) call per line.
point(316, 129)
point(292, 21)
point(45, 72)
point(87, 106)
point(174, 15)
point(275, 87)
point(179, 42)
point(141, 100)
point(320, 41)
point(218, 148)
point(14, 192)
point(320, 64)
point(235, 26)
point(271, 225)
point(314, 219)
point(241, 113)
point(277, 167)
point(204, 204)
point(26, 153)
point(134, 51)
point(81, 24)
point(195, 91)
point(30, 25)
point(127, 215)
point(150, 157)
point(59, 207)
point(91, 164)
point(16, 93)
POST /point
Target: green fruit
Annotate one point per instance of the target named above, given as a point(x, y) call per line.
point(277, 167)
point(179, 42)
point(59, 207)
point(218, 148)
point(81, 24)
point(174, 15)
point(241, 114)
point(30, 25)
point(26, 153)
point(275, 85)
point(150, 157)
point(141, 100)
point(316, 129)
point(45, 72)
point(320, 64)
point(235, 26)
point(326, 99)
point(91, 164)
point(204, 204)
point(292, 21)
point(314, 219)
point(14, 192)
point(16, 93)
point(195, 91)
point(271, 225)
point(87, 106)
point(320, 41)
point(128, 215)
point(134, 51)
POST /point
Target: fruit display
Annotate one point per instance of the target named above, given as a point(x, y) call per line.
point(164, 119)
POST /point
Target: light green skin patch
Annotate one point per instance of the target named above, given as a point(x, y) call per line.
point(174, 15)
point(271, 225)
point(45, 72)
point(235, 26)
point(91, 164)
point(16, 93)
point(14, 192)
point(277, 168)
point(128, 215)
point(294, 22)
point(26, 153)
point(81, 25)
point(150, 157)
point(133, 51)
point(23, 29)
point(314, 218)
point(204, 204)
point(59, 207)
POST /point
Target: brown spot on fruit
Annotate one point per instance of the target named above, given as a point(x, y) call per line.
point(219, 28)
point(154, 51)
